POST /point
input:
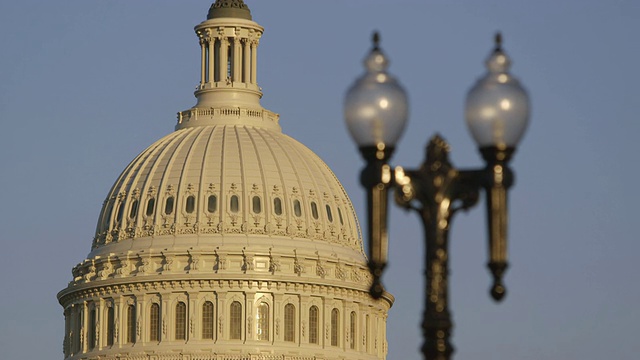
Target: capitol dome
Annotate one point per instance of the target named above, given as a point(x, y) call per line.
point(225, 239)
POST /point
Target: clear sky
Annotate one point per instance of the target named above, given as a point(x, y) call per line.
point(86, 85)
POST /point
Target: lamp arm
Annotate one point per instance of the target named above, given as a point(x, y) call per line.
point(497, 179)
point(376, 179)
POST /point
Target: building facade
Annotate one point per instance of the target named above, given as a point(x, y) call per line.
point(225, 239)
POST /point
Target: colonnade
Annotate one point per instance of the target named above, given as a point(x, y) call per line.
point(227, 59)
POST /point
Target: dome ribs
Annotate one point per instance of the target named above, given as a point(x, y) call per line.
point(268, 139)
point(260, 154)
point(185, 185)
point(203, 184)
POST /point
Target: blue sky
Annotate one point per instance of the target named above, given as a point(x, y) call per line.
point(87, 85)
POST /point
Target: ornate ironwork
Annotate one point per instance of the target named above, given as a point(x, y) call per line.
point(436, 191)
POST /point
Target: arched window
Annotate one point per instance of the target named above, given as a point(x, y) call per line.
point(207, 320)
point(91, 331)
point(120, 212)
point(191, 204)
point(277, 206)
point(263, 321)
point(297, 209)
point(181, 321)
point(313, 325)
point(168, 206)
point(134, 209)
point(151, 203)
point(289, 322)
point(107, 218)
point(234, 203)
point(257, 205)
point(329, 214)
point(154, 322)
point(131, 324)
point(235, 321)
point(212, 203)
point(352, 330)
point(340, 217)
point(335, 322)
point(314, 210)
point(110, 325)
point(77, 346)
point(366, 333)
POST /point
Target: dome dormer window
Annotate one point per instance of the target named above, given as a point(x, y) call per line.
point(329, 214)
point(297, 209)
point(134, 209)
point(168, 206)
point(257, 206)
point(277, 206)
point(234, 204)
point(151, 203)
point(120, 212)
point(191, 204)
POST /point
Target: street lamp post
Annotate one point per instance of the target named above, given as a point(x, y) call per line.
point(497, 113)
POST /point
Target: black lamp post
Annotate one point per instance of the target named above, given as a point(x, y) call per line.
point(497, 112)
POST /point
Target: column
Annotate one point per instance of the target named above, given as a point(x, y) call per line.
point(203, 61)
point(237, 62)
point(211, 58)
point(224, 59)
point(141, 319)
point(246, 69)
point(254, 61)
point(101, 334)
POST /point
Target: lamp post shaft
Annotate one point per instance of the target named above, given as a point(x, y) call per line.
point(436, 191)
point(436, 320)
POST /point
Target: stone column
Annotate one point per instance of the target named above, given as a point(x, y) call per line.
point(247, 61)
point(211, 59)
point(237, 60)
point(254, 61)
point(203, 61)
point(224, 59)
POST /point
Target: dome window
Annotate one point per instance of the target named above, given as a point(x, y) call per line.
point(207, 320)
point(181, 321)
point(263, 321)
point(107, 215)
point(110, 325)
point(91, 330)
point(314, 210)
point(120, 212)
point(335, 322)
point(134, 209)
point(340, 217)
point(329, 214)
point(257, 206)
point(131, 324)
point(353, 320)
point(191, 204)
point(297, 210)
point(313, 325)
point(154, 322)
point(289, 322)
point(234, 204)
point(212, 203)
point(151, 203)
point(168, 206)
point(277, 206)
point(235, 326)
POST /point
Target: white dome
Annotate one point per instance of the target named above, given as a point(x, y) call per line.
point(216, 180)
point(225, 239)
